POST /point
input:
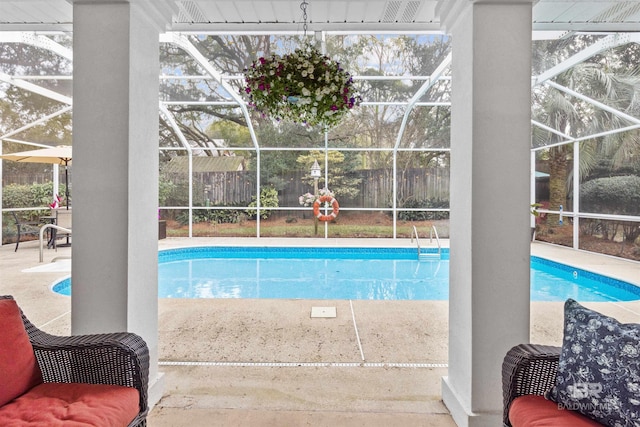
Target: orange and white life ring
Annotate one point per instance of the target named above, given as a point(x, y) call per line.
point(334, 205)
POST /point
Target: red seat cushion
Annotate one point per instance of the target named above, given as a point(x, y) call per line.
point(536, 411)
point(19, 369)
point(55, 404)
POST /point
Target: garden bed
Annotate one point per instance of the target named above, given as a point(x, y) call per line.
point(346, 225)
point(563, 235)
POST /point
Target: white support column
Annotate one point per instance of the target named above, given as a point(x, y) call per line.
point(490, 223)
point(115, 161)
point(576, 195)
point(532, 191)
point(56, 182)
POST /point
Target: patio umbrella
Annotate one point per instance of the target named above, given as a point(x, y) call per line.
point(60, 155)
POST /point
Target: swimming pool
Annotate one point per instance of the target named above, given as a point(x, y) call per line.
point(349, 273)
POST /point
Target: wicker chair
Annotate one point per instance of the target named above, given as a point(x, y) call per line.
point(528, 369)
point(113, 358)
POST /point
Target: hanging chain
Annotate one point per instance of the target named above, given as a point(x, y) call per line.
point(303, 6)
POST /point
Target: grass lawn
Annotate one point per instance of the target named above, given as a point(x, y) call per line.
point(373, 225)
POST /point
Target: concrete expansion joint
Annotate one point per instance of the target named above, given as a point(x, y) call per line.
point(303, 364)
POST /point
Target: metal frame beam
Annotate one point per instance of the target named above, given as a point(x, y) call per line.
point(609, 42)
point(184, 43)
point(38, 40)
point(36, 89)
point(435, 76)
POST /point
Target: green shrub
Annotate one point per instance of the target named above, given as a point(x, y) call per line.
point(166, 188)
point(28, 196)
point(227, 216)
point(25, 196)
point(268, 199)
point(16, 196)
point(216, 216)
point(198, 217)
point(423, 215)
point(617, 195)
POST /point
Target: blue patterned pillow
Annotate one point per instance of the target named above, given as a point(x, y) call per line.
point(599, 370)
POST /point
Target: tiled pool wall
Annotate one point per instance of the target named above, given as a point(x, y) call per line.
point(168, 255)
point(569, 271)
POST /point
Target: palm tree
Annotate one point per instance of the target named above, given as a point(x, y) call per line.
point(577, 118)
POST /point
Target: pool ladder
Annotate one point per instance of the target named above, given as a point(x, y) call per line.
point(427, 255)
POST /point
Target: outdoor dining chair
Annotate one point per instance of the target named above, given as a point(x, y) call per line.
point(25, 228)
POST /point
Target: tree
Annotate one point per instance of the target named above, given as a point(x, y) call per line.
point(230, 55)
point(234, 134)
point(378, 126)
point(342, 180)
point(20, 107)
point(600, 80)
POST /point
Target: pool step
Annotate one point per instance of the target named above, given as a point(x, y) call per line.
point(428, 256)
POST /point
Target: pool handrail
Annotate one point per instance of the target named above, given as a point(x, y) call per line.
point(415, 232)
point(432, 231)
point(43, 229)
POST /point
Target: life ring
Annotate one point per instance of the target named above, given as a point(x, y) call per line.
point(334, 205)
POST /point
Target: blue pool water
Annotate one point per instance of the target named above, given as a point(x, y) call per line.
point(349, 273)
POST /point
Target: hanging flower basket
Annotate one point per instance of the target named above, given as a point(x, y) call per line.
point(303, 87)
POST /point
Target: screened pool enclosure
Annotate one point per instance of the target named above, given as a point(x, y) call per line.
point(386, 163)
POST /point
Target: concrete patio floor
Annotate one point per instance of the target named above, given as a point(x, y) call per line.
point(234, 362)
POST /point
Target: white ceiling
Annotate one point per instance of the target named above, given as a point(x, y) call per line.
point(326, 15)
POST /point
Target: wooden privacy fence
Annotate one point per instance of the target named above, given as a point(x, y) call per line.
point(374, 190)
point(227, 187)
point(32, 178)
point(418, 184)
